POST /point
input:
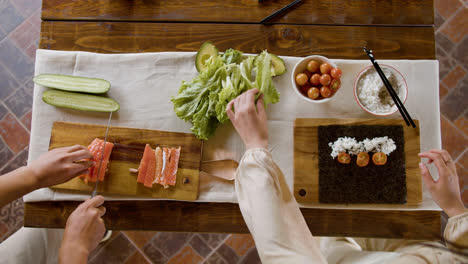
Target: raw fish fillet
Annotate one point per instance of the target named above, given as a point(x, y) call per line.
point(166, 158)
point(151, 170)
point(144, 164)
point(170, 171)
point(159, 164)
point(96, 147)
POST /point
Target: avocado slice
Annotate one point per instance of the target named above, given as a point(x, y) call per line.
point(278, 65)
point(80, 101)
point(206, 51)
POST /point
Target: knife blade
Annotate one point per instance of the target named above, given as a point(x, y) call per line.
point(94, 193)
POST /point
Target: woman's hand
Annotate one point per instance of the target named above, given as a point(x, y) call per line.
point(60, 165)
point(249, 121)
point(84, 230)
point(445, 191)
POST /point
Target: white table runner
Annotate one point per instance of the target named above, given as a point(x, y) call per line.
point(143, 84)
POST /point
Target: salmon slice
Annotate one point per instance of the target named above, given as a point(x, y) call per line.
point(170, 171)
point(151, 170)
point(166, 158)
point(173, 166)
point(144, 164)
point(159, 164)
point(96, 148)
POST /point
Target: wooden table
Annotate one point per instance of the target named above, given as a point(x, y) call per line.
point(398, 29)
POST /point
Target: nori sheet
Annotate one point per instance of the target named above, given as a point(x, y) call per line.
point(349, 183)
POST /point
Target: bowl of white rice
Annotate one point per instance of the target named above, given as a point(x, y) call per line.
point(371, 93)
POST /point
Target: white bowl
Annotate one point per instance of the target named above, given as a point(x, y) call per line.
point(397, 73)
point(300, 67)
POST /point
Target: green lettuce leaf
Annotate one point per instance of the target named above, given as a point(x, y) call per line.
point(203, 100)
point(232, 56)
point(233, 85)
point(190, 95)
point(264, 81)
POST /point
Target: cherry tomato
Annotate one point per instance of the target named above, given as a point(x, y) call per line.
point(325, 91)
point(336, 73)
point(325, 79)
point(325, 68)
point(305, 88)
point(313, 66)
point(308, 73)
point(313, 93)
point(379, 158)
point(335, 85)
point(301, 79)
point(344, 158)
point(315, 79)
point(362, 159)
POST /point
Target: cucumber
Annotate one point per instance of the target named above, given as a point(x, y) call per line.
point(73, 83)
point(206, 51)
point(80, 101)
point(277, 64)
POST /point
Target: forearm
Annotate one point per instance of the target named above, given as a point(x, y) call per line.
point(15, 184)
point(72, 255)
point(457, 209)
point(271, 212)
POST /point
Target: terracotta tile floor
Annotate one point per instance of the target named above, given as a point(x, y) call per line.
point(19, 34)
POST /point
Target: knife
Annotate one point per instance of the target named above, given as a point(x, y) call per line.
point(102, 155)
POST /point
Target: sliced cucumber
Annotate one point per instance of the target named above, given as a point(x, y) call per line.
point(80, 101)
point(278, 65)
point(206, 51)
point(73, 83)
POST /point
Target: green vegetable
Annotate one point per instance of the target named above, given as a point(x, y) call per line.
point(72, 83)
point(264, 82)
point(203, 100)
point(206, 51)
point(234, 85)
point(232, 56)
point(278, 65)
point(80, 101)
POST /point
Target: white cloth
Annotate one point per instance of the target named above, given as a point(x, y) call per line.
point(143, 84)
point(281, 235)
point(32, 245)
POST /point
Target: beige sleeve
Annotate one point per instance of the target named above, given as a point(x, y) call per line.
point(456, 230)
point(271, 212)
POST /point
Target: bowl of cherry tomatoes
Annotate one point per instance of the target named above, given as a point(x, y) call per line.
point(316, 79)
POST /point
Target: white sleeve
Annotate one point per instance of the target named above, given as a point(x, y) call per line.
point(271, 212)
point(456, 231)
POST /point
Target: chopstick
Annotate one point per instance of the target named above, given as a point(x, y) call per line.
point(391, 91)
point(279, 11)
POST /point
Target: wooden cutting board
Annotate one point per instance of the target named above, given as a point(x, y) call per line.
point(129, 144)
point(306, 170)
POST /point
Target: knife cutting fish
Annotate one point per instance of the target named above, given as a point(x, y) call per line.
point(102, 156)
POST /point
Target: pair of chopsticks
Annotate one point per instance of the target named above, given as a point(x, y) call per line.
point(390, 90)
point(279, 11)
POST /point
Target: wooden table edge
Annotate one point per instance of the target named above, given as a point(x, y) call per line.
point(397, 12)
point(179, 216)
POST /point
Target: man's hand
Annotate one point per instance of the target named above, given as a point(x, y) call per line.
point(445, 191)
point(60, 165)
point(84, 230)
point(250, 123)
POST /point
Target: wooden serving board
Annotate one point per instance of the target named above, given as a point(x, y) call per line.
point(129, 144)
point(306, 170)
